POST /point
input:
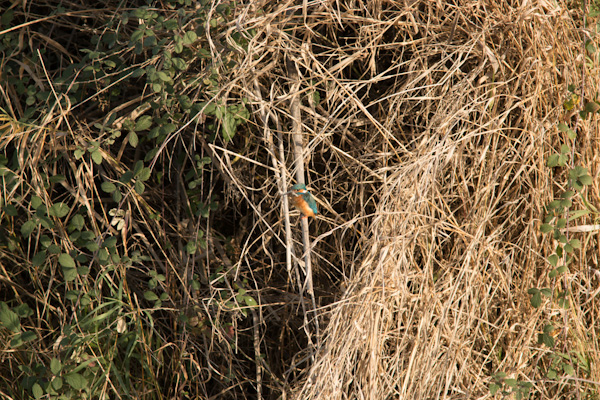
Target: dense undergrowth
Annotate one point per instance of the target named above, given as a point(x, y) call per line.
point(143, 150)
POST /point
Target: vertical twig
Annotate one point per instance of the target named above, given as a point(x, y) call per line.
point(297, 145)
point(280, 172)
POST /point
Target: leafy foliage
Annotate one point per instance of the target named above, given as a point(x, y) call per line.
point(90, 163)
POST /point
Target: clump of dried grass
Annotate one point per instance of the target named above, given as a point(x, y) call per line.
point(439, 116)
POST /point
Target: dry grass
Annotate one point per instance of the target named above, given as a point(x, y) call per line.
point(440, 117)
point(427, 153)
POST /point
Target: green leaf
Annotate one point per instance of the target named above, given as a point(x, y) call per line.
point(78, 153)
point(545, 228)
point(589, 45)
point(577, 171)
point(139, 187)
point(36, 202)
point(249, 300)
point(57, 383)
point(56, 178)
point(209, 109)
point(189, 37)
point(117, 196)
point(54, 249)
point(75, 380)
point(191, 247)
point(536, 300)
point(562, 160)
point(179, 63)
point(7, 17)
point(143, 123)
point(138, 72)
point(55, 366)
point(59, 210)
point(494, 387)
point(21, 338)
point(568, 368)
point(562, 269)
point(575, 243)
point(127, 177)
point(170, 128)
point(72, 295)
point(70, 274)
point(546, 339)
point(108, 187)
point(37, 390)
point(564, 149)
point(28, 336)
point(532, 290)
point(229, 126)
point(139, 165)
point(585, 180)
point(9, 319)
point(133, 139)
point(10, 210)
point(109, 242)
point(97, 156)
point(46, 222)
point(66, 260)
point(144, 174)
point(77, 222)
point(150, 296)
point(178, 45)
point(28, 227)
point(553, 259)
point(510, 382)
point(92, 246)
point(591, 107)
point(171, 25)
point(562, 239)
point(553, 205)
point(88, 235)
point(163, 76)
point(567, 194)
point(39, 258)
point(136, 36)
point(500, 375)
point(562, 127)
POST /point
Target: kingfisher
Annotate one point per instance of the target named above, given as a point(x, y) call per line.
point(303, 200)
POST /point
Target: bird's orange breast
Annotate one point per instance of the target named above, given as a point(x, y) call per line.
point(303, 206)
